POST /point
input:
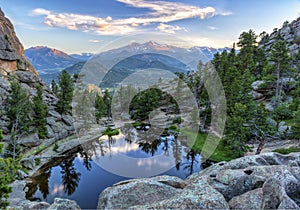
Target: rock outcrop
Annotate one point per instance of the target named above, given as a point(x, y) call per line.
point(290, 33)
point(17, 200)
point(14, 65)
point(266, 181)
point(11, 50)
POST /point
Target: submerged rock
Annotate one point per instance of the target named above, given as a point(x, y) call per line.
point(266, 181)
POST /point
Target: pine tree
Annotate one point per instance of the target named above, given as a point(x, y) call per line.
point(8, 168)
point(5, 179)
point(236, 133)
point(101, 108)
point(107, 103)
point(296, 124)
point(65, 93)
point(18, 113)
point(281, 64)
point(40, 113)
point(54, 87)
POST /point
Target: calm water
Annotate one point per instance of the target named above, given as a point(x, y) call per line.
point(81, 177)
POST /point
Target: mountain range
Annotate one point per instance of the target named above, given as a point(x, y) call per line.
point(49, 61)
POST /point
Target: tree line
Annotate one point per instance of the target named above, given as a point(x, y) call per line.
point(248, 119)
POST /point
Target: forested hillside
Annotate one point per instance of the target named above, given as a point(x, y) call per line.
point(262, 88)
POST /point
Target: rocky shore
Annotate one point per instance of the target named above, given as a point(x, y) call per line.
point(266, 181)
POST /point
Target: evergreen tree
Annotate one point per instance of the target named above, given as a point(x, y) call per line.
point(101, 108)
point(296, 124)
point(281, 64)
point(145, 102)
point(5, 179)
point(296, 97)
point(18, 113)
point(107, 103)
point(54, 87)
point(8, 168)
point(40, 113)
point(236, 133)
point(83, 109)
point(65, 93)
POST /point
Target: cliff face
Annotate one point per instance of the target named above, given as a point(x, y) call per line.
point(14, 65)
point(290, 33)
point(11, 50)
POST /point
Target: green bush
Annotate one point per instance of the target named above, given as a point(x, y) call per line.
point(1, 135)
point(174, 128)
point(286, 151)
point(136, 124)
point(283, 112)
point(55, 147)
point(111, 132)
point(177, 120)
point(37, 161)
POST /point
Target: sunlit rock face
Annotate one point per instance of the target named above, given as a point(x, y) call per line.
point(11, 50)
point(14, 66)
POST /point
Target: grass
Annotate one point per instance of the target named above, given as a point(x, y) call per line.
point(219, 153)
point(286, 151)
point(111, 132)
point(174, 128)
point(55, 147)
point(136, 124)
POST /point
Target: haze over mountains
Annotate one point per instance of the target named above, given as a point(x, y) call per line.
point(49, 62)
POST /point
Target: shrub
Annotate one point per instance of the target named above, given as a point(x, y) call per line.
point(37, 161)
point(111, 132)
point(55, 147)
point(177, 120)
point(283, 112)
point(286, 151)
point(174, 128)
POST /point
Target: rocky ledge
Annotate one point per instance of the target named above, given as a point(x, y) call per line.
point(17, 200)
point(266, 181)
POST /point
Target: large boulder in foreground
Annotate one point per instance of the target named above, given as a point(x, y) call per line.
point(266, 181)
point(139, 192)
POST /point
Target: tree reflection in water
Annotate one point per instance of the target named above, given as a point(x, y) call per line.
point(70, 178)
point(177, 150)
point(192, 161)
point(149, 147)
point(186, 161)
point(87, 152)
point(40, 182)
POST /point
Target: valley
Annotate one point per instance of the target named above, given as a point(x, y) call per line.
point(149, 124)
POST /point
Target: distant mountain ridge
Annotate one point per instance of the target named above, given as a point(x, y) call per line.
point(45, 58)
point(82, 56)
point(49, 62)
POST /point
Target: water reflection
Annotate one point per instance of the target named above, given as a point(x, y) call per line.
point(40, 183)
point(79, 175)
point(149, 147)
point(70, 178)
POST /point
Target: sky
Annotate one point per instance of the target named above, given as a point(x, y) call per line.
point(76, 26)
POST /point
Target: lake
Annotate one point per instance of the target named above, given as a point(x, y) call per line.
point(87, 170)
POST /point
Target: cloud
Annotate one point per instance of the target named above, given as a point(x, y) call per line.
point(213, 28)
point(168, 28)
point(94, 40)
point(40, 11)
point(162, 12)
